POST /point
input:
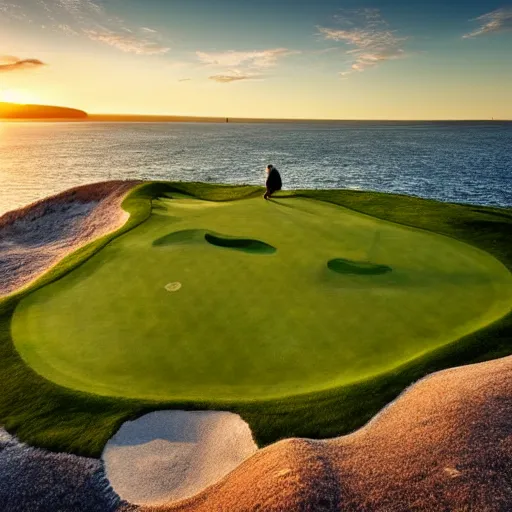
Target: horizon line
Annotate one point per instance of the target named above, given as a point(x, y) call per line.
point(224, 119)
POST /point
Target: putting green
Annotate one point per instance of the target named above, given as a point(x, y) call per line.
point(252, 299)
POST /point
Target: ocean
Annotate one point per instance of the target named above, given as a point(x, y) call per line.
point(466, 162)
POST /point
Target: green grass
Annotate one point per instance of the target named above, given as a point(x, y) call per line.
point(58, 418)
point(260, 312)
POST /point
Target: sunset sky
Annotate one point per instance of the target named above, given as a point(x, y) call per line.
point(406, 59)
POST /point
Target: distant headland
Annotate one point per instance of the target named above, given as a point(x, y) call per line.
point(39, 112)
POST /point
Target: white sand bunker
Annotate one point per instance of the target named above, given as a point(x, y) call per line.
point(171, 455)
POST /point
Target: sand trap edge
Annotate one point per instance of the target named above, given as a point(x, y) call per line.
point(169, 456)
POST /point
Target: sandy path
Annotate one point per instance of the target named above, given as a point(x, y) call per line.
point(36, 237)
point(170, 455)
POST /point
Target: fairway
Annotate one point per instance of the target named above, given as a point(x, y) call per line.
point(253, 299)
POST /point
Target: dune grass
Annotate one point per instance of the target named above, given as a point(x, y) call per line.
point(58, 418)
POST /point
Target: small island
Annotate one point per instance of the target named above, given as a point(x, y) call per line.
point(20, 111)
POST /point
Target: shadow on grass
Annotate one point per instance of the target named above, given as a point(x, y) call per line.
point(494, 213)
point(342, 266)
point(195, 236)
point(240, 244)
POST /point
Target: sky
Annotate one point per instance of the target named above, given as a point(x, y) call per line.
point(353, 59)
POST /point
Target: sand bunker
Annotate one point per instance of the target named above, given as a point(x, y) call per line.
point(36, 237)
point(170, 455)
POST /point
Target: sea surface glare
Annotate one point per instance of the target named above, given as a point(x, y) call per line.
point(460, 162)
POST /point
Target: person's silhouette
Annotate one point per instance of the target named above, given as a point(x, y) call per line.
point(273, 183)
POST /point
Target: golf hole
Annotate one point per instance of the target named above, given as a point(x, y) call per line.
point(173, 287)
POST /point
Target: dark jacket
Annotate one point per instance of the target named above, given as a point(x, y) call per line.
point(273, 182)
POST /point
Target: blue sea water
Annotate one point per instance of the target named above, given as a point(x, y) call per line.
point(460, 162)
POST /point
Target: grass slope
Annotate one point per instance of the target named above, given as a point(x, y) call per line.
point(259, 313)
point(57, 418)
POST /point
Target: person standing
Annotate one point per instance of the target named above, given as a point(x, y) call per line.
point(273, 183)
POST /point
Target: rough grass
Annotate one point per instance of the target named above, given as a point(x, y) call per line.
point(56, 418)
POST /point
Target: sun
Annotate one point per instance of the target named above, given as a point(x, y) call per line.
point(18, 96)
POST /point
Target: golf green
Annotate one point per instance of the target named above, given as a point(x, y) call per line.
point(254, 299)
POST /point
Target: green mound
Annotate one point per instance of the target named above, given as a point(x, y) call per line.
point(309, 315)
point(357, 267)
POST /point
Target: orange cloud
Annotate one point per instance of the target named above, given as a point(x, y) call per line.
point(234, 77)
point(10, 63)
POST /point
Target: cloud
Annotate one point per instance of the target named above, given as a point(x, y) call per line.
point(325, 50)
point(79, 8)
point(369, 34)
point(9, 63)
point(493, 22)
point(251, 59)
point(12, 11)
point(184, 79)
point(127, 43)
point(89, 18)
point(233, 77)
point(67, 29)
point(242, 65)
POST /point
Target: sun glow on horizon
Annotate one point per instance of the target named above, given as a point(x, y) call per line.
point(21, 96)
